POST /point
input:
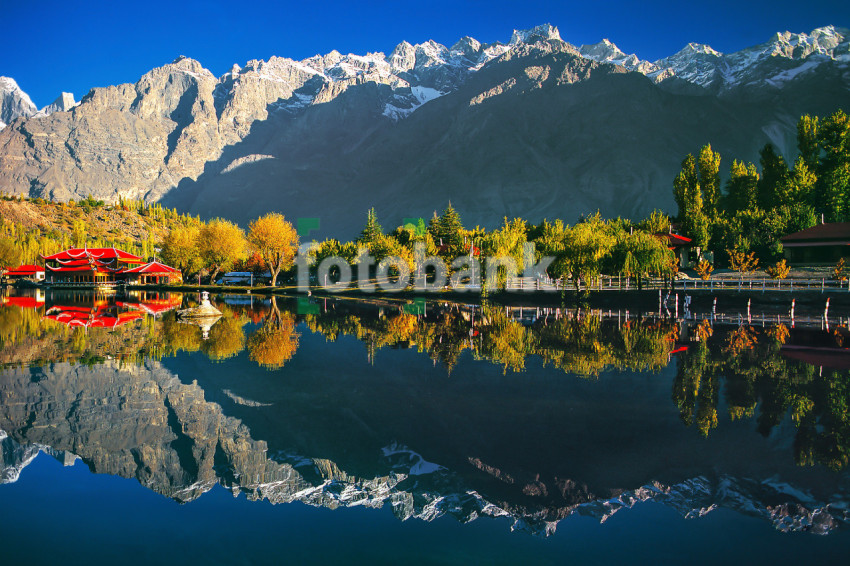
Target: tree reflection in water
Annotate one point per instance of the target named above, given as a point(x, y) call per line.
point(749, 369)
point(276, 341)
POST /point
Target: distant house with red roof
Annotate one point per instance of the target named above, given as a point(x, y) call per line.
point(679, 245)
point(34, 272)
point(104, 267)
point(824, 243)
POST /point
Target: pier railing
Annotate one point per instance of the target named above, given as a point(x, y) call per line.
point(615, 283)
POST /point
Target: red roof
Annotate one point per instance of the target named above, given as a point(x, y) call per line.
point(94, 253)
point(101, 260)
point(25, 270)
point(675, 240)
point(834, 233)
point(152, 267)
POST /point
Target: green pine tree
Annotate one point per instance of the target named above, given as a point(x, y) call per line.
point(372, 232)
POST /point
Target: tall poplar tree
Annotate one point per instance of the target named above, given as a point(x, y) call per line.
point(741, 188)
point(774, 173)
point(709, 180)
point(807, 141)
point(834, 168)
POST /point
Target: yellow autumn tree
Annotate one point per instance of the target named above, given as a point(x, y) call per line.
point(179, 249)
point(275, 240)
point(221, 244)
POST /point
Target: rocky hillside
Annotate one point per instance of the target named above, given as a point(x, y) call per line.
point(105, 223)
point(534, 127)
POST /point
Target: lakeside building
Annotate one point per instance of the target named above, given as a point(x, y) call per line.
point(680, 246)
point(104, 268)
point(32, 272)
point(824, 244)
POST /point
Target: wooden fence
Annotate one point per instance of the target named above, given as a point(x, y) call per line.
point(614, 283)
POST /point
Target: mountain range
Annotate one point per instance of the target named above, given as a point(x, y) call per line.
point(534, 127)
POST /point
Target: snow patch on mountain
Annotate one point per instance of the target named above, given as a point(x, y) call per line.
point(785, 76)
point(414, 463)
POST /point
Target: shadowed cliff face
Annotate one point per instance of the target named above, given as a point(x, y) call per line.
point(531, 129)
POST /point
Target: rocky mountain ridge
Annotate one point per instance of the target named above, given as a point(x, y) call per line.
point(778, 60)
point(427, 123)
point(15, 103)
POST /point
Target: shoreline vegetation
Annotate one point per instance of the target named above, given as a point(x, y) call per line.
point(736, 226)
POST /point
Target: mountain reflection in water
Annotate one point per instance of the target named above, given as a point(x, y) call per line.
point(333, 403)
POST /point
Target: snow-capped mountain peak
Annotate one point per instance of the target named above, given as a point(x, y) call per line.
point(14, 102)
point(606, 52)
point(699, 49)
point(542, 32)
point(783, 57)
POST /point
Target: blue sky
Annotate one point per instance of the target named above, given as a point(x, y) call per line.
point(52, 46)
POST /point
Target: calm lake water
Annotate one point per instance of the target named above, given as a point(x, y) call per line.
point(333, 431)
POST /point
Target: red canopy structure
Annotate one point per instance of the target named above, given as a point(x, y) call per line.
point(153, 272)
point(88, 266)
point(96, 267)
